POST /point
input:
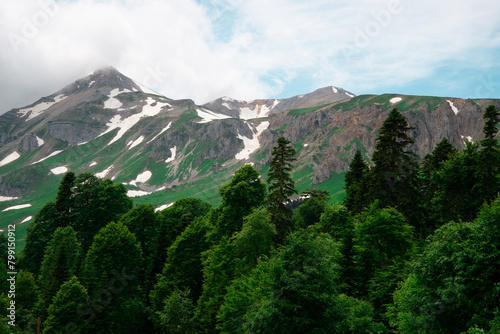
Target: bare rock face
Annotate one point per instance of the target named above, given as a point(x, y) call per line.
point(329, 136)
point(74, 133)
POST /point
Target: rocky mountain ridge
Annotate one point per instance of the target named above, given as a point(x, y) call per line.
point(110, 125)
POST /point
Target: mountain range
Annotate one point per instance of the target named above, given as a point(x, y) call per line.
point(163, 149)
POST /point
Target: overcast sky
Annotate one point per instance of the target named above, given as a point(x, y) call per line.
point(249, 49)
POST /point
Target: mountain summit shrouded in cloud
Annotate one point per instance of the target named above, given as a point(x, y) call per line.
point(210, 48)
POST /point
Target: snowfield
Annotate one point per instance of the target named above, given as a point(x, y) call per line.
point(251, 144)
point(8, 159)
point(172, 158)
point(136, 142)
point(27, 219)
point(48, 156)
point(143, 177)
point(208, 116)
point(40, 141)
point(17, 207)
point(164, 206)
point(137, 193)
point(59, 170)
point(151, 108)
point(112, 102)
point(105, 172)
point(41, 107)
point(396, 100)
point(162, 131)
point(259, 111)
point(455, 109)
point(6, 198)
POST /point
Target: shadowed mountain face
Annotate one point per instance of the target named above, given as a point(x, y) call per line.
point(112, 126)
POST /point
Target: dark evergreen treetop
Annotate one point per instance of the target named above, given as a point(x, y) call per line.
point(441, 153)
point(356, 184)
point(392, 143)
point(491, 119)
point(65, 196)
point(281, 186)
point(488, 166)
point(357, 170)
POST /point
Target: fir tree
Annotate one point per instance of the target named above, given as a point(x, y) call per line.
point(393, 176)
point(356, 183)
point(281, 187)
point(489, 158)
point(64, 200)
point(441, 153)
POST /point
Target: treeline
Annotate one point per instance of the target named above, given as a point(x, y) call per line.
point(414, 248)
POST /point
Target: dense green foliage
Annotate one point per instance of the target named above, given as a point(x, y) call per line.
point(414, 249)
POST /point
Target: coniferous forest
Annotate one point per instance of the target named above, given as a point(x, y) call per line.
point(414, 248)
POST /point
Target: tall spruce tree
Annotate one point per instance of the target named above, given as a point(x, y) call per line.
point(281, 187)
point(428, 180)
point(489, 163)
point(393, 176)
point(356, 184)
point(64, 200)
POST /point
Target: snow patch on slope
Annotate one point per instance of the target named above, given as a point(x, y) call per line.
point(40, 141)
point(164, 206)
point(6, 198)
point(137, 193)
point(105, 172)
point(27, 219)
point(41, 107)
point(17, 207)
point(163, 130)
point(260, 111)
point(455, 109)
point(251, 144)
point(136, 142)
point(396, 100)
point(49, 156)
point(208, 115)
point(59, 170)
point(10, 158)
point(143, 177)
point(112, 102)
point(126, 124)
point(335, 90)
point(173, 151)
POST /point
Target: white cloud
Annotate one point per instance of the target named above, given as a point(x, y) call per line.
point(245, 49)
